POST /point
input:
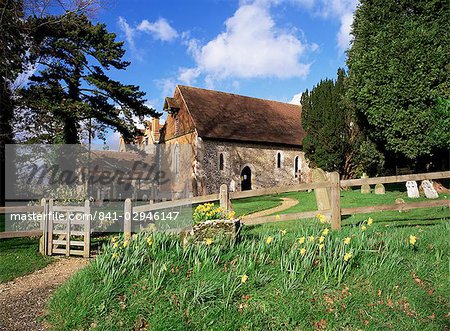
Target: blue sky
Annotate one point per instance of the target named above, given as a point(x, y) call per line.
point(271, 49)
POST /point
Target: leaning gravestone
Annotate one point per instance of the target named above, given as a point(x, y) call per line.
point(365, 188)
point(322, 194)
point(379, 189)
point(429, 190)
point(413, 191)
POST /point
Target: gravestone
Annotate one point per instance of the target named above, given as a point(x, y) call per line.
point(413, 191)
point(379, 189)
point(322, 194)
point(365, 188)
point(429, 190)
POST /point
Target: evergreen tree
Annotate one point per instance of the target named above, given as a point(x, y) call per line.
point(399, 79)
point(72, 86)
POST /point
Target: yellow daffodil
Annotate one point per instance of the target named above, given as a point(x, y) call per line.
point(125, 243)
point(412, 240)
point(369, 221)
point(150, 241)
point(301, 240)
point(116, 245)
point(244, 279)
point(321, 218)
point(311, 238)
point(115, 255)
point(269, 240)
point(114, 239)
point(347, 240)
point(347, 256)
point(283, 232)
point(321, 246)
point(363, 228)
point(302, 251)
point(321, 239)
point(208, 241)
point(325, 232)
point(277, 217)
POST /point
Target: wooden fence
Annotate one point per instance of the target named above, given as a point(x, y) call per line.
point(334, 213)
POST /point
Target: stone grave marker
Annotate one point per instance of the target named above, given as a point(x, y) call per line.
point(379, 189)
point(322, 194)
point(429, 190)
point(365, 188)
point(411, 187)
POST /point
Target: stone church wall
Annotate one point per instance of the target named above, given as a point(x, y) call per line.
point(260, 158)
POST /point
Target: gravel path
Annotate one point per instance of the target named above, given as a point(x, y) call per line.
point(22, 300)
point(285, 204)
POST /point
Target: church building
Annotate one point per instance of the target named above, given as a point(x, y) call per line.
point(246, 143)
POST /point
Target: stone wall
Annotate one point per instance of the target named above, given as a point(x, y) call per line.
point(260, 158)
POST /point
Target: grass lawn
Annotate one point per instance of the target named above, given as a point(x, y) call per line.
point(266, 281)
point(251, 205)
point(353, 198)
point(19, 257)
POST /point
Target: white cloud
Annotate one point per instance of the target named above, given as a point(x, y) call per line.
point(160, 29)
point(344, 37)
point(188, 75)
point(127, 30)
point(296, 99)
point(251, 46)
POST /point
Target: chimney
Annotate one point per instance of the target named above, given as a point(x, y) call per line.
point(155, 128)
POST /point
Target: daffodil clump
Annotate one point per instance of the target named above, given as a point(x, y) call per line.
point(208, 211)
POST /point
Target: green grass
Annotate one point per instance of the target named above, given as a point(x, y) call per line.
point(251, 205)
point(19, 257)
point(353, 198)
point(386, 285)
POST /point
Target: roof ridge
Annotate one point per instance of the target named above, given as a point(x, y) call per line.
point(239, 95)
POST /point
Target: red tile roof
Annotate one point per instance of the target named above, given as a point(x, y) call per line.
point(220, 115)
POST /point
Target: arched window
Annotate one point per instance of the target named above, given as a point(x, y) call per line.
point(221, 161)
point(278, 160)
point(176, 159)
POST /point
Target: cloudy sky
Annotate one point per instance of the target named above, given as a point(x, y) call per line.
point(271, 49)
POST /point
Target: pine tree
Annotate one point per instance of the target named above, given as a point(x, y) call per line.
point(72, 86)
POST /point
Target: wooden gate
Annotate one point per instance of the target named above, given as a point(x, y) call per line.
point(68, 230)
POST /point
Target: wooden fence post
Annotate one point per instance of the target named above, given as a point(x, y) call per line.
point(127, 217)
point(224, 197)
point(87, 229)
point(43, 227)
point(335, 198)
point(50, 228)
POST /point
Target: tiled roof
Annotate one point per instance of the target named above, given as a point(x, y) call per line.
point(220, 115)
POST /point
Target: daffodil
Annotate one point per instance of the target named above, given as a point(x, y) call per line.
point(347, 240)
point(369, 221)
point(125, 243)
point(321, 218)
point(321, 239)
point(363, 228)
point(277, 217)
point(302, 251)
point(244, 279)
point(311, 238)
point(150, 241)
point(347, 256)
point(116, 245)
point(208, 241)
point(114, 239)
point(115, 255)
point(301, 240)
point(412, 240)
point(321, 246)
point(269, 240)
point(325, 232)
point(283, 232)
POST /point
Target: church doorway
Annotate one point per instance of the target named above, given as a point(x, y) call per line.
point(246, 179)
